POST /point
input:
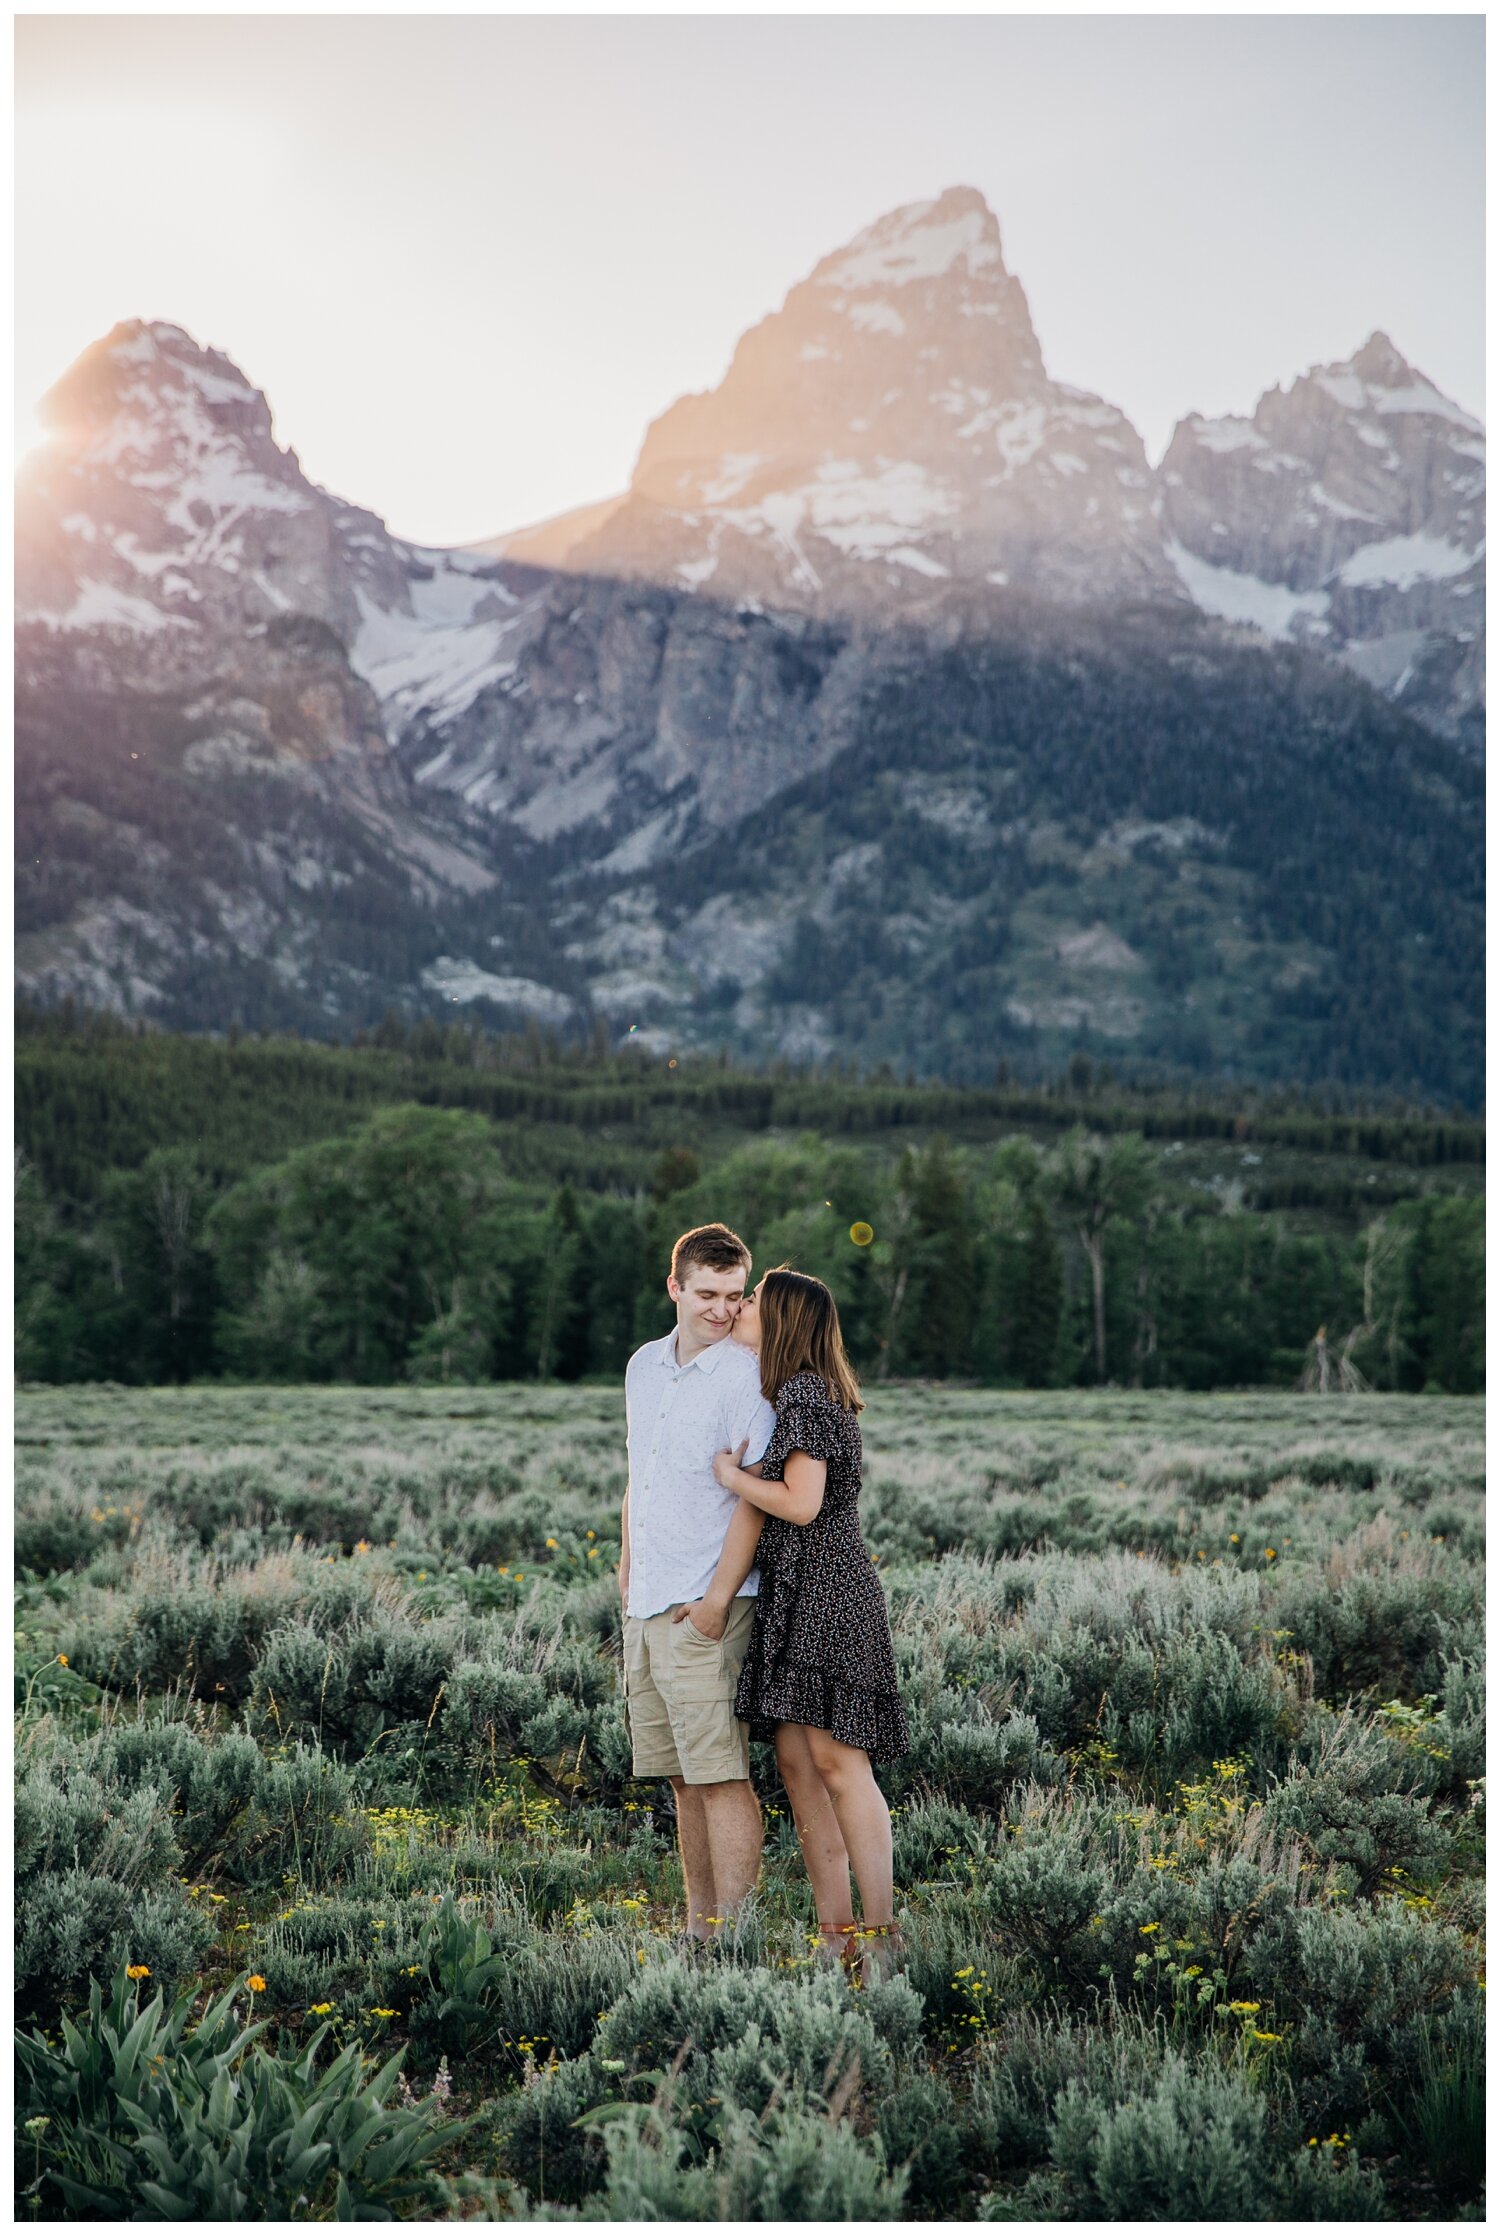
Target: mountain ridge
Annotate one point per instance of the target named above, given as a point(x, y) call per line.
point(275, 762)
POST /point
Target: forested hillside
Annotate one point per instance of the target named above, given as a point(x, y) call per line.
point(445, 1205)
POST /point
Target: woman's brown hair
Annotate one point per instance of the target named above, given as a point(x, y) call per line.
point(799, 1334)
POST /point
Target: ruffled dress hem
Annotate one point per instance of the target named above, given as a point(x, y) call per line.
point(873, 1721)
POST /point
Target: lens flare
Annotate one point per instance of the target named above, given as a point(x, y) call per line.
point(861, 1234)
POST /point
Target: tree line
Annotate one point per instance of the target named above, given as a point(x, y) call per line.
point(95, 1094)
point(405, 1245)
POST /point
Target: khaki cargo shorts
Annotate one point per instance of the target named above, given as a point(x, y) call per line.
point(679, 1697)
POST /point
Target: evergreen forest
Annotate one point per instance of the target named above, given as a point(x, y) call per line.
point(442, 1204)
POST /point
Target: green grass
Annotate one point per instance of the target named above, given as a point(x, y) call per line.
point(1189, 1833)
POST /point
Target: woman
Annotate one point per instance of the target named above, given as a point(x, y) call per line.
point(819, 1675)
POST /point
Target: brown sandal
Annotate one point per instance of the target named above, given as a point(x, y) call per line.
point(862, 1966)
point(829, 1934)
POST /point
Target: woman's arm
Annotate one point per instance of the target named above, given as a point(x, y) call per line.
point(711, 1612)
point(798, 1499)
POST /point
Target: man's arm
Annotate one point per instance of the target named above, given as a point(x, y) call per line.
point(738, 1557)
point(625, 1546)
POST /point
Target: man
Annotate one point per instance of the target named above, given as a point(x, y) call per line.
point(687, 1575)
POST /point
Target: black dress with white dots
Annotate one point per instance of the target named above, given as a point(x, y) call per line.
point(820, 1651)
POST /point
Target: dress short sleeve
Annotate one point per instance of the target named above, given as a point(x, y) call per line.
point(806, 1418)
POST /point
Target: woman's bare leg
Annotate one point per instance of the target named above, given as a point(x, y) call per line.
point(823, 1849)
point(863, 1819)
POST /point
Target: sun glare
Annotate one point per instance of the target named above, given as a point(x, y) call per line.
point(30, 433)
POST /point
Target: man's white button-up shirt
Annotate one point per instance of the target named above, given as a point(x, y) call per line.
point(676, 1418)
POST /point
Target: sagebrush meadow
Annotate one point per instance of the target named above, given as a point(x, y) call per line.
point(324, 1774)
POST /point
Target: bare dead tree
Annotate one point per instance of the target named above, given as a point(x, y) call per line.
point(173, 1195)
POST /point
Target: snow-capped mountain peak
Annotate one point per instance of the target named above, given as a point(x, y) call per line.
point(1347, 511)
point(162, 499)
point(923, 241)
point(163, 504)
point(890, 430)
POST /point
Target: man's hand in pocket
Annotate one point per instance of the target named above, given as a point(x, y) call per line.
point(708, 1618)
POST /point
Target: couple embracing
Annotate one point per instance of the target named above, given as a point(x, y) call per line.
point(751, 1606)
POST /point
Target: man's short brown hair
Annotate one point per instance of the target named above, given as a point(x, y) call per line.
point(717, 1247)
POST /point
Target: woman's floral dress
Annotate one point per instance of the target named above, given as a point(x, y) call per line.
point(820, 1652)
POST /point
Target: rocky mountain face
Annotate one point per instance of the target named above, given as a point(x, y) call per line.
point(897, 711)
point(243, 639)
point(891, 430)
point(890, 436)
point(1347, 512)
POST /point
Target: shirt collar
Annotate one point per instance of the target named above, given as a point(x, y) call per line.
point(708, 1359)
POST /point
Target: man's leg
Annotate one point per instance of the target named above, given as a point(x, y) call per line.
point(697, 1857)
point(698, 1677)
point(731, 1814)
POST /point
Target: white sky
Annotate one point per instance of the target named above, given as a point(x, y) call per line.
point(468, 258)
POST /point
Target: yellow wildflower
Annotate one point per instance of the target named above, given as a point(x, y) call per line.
point(1245, 2008)
point(137, 1971)
point(1154, 1927)
point(256, 1984)
point(379, 2011)
point(318, 2010)
point(63, 1660)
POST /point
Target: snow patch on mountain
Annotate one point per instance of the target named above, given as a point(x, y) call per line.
point(1233, 596)
point(1404, 560)
point(100, 605)
point(911, 244)
point(459, 980)
point(452, 643)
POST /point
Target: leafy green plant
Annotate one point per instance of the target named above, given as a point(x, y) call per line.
point(792, 2165)
point(1190, 2148)
point(139, 2114)
point(1442, 2119)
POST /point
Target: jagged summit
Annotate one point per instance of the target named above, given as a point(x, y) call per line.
point(140, 369)
point(1346, 511)
point(1378, 358)
point(271, 755)
point(163, 500)
point(921, 241)
point(164, 512)
point(888, 442)
point(890, 429)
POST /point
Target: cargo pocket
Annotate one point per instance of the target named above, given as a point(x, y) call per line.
point(697, 1664)
point(632, 1650)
